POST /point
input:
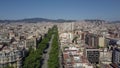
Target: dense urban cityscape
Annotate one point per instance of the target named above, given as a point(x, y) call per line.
point(80, 44)
point(59, 34)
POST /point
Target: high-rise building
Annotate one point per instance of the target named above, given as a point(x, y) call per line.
point(91, 40)
point(101, 42)
point(116, 57)
point(93, 55)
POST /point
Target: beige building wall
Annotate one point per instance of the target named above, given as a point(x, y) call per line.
point(101, 42)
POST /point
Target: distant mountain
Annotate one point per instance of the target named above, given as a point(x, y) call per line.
point(34, 20)
point(100, 21)
point(94, 21)
point(114, 22)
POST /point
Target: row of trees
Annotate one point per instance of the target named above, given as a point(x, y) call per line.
point(53, 61)
point(34, 58)
point(8, 66)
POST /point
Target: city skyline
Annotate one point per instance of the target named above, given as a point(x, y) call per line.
point(62, 9)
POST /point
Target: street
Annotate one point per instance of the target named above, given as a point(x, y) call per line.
point(46, 55)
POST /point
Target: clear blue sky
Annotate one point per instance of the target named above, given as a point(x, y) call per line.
point(60, 9)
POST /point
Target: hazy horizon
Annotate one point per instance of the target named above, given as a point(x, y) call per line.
point(60, 9)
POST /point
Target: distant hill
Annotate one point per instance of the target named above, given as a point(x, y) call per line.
point(114, 22)
point(100, 21)
point(94, 21)
point(35, 20)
